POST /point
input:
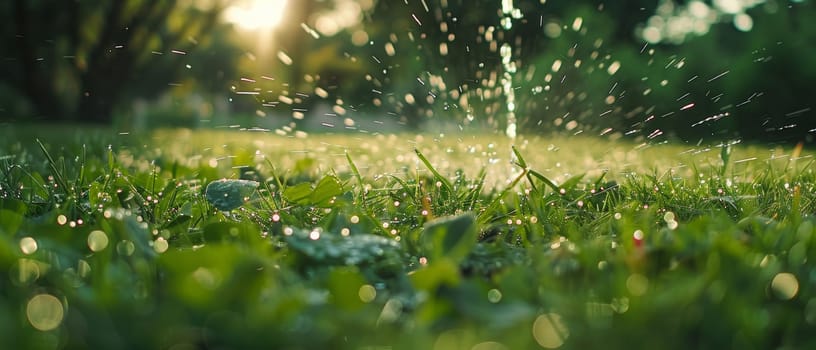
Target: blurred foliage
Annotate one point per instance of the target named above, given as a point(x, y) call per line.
point(84, 61)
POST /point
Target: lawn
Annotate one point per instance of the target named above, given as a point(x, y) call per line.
point(244, 239)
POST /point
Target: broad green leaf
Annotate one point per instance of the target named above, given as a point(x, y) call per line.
point(227, 195)
point(298, 193)
point(436, 273)
point(326, 189)
point(376, 256)
point(450, 237)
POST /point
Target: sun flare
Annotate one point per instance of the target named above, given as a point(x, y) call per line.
point(256, 14)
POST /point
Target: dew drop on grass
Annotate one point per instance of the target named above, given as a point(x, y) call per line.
point(28, 245)
point(97, 240)
point(45, 312)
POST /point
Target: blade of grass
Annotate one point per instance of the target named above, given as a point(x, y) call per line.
point(356, 172)
point(541, 178)
point(58, 176)
point(497, 199)
point(519, 158)
point(445, 182)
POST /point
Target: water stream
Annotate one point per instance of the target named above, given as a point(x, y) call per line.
point(509, 13)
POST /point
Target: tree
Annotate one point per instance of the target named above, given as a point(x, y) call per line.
point(77, 60)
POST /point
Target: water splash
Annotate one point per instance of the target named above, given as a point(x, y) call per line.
point(509, 13)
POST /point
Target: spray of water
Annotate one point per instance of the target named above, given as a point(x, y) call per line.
point(509, 13)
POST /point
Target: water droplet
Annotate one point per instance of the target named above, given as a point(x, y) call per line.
point(637, 284)
point(577, 23)
point(367, 293)
point(494, 295)
point(125, 248)
point(205, 277)
point(613, 68)
point(637, 237)
point(45, 312)
point(785, 285)
point(97, 240)
point(28, 270)
point(28, 245)
point(550, 331)
point(743, 22)
point(160, 245)
point(284, 58)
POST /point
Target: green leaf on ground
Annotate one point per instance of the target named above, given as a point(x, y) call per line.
point(227, 195)
point(450, 237)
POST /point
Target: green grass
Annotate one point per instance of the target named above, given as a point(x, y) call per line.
point(401, 241)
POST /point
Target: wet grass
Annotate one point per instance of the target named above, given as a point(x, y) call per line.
point(244, 239)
